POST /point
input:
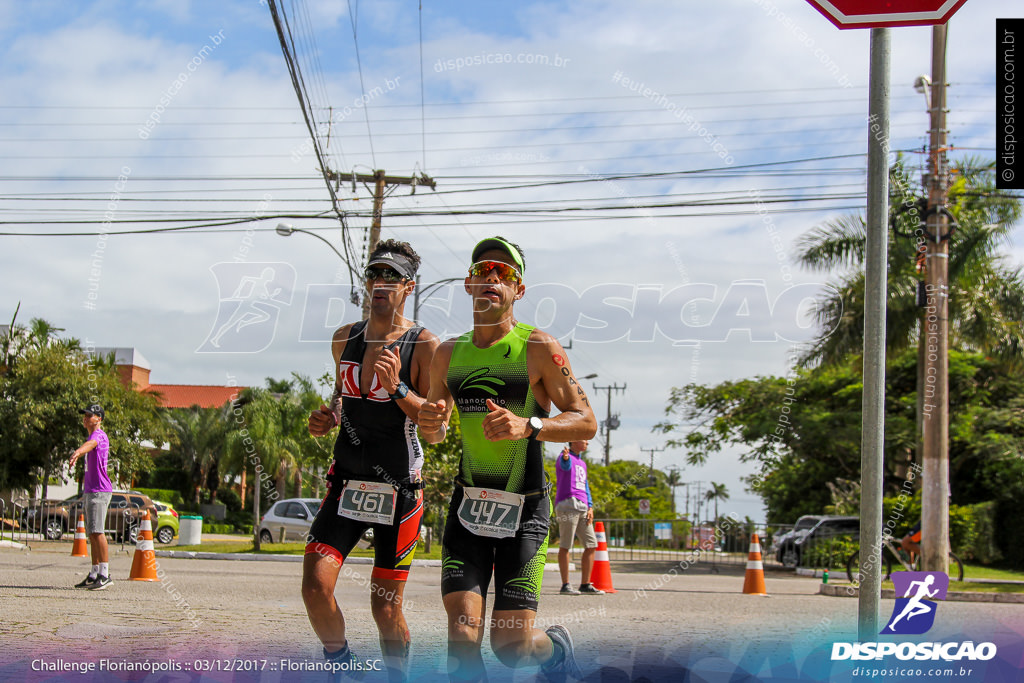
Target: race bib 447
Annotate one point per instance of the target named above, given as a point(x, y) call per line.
point(491, 512)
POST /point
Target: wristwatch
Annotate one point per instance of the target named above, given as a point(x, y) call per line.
point(400, 391)
point(536, 425)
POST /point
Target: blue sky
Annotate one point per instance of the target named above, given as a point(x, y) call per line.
point(516, 95)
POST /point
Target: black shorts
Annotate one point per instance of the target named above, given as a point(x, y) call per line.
point(467, 559)
point(394, 544)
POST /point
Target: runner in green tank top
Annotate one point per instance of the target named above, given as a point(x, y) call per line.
point(500, 373)
point(503, 377)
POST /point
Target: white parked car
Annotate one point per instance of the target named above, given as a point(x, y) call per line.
point(293, 515)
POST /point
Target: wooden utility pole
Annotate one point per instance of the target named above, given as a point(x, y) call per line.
point(652, 451)
point(608, 422)
point(935, 427)
point(380, 182)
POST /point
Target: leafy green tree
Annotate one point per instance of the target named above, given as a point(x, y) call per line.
point(262, 443)
point(45, 380)
point(198, 443)
point(315, 452)
point(804, 431)
point(618, 488)
point(986, 304)
point(42, 392)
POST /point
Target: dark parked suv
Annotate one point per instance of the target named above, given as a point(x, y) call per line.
point(785, 544)
point(124, 516)
point(811, 529)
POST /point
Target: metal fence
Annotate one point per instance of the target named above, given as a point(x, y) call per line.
point(28, 521)
point(725, 543)
point(665, 540)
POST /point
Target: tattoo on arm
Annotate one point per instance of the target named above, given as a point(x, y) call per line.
point(558, 360)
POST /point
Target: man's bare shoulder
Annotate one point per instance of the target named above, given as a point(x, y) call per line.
point(541, 344)
point(427, 340)
point(340, 339)
point(342, 333)
point(447, 346)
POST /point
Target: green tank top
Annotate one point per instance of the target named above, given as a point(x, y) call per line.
point(498, 373)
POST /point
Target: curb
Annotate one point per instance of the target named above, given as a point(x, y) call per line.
point(849, 591)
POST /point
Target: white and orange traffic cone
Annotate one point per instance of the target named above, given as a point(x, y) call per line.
point(80, 548)
point(601, 575)
point(753, 581)
point(144, 561)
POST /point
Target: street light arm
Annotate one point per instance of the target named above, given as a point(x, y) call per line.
point(427, 289)
point(285, 230)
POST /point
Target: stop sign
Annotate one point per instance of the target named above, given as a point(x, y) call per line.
point(879, 13)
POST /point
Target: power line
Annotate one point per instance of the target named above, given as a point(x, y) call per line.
point(541, 221)
point(423, 113)
point(353, 19)
point(298, 84)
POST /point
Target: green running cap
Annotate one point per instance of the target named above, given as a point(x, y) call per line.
point(502, 244)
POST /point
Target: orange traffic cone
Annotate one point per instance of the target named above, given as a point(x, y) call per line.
point(80, 548)
point(753, 582)
point(144, 561)
point(601, 576)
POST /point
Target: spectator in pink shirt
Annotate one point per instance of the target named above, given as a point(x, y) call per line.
point(96, 490)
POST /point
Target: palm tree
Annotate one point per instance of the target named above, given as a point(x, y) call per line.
point(264, 441)
point(198, 437)
point(715, 493)
point(986, 295)
point(300, 398)
point(674, 478)
point(39, 334)
point(986, 303)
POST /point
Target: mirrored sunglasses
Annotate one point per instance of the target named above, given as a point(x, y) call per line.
point(503, 270)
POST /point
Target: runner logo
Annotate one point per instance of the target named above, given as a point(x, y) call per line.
point(251, 298)
point(914, 613)
point(478, 379)
point(349, 373)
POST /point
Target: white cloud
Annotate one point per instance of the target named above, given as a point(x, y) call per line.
point(766, 88)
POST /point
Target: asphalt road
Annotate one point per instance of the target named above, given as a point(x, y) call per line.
point(220, 610)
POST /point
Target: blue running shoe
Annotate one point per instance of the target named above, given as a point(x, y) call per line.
point(559, 669)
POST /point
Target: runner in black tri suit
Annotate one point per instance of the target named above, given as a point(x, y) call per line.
point(382, 373)
point(503, 377)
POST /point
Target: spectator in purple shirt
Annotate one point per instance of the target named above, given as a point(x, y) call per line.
point(96, 490)
point(574, 510)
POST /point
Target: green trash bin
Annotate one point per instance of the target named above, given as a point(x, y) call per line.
point(190, 530)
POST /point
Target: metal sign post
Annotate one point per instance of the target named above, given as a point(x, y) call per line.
point(873, 400)
point(877, 15)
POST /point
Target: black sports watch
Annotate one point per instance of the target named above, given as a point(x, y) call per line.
point(400, 391)
point(536, 425)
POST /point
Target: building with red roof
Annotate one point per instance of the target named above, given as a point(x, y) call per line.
point(133, 368)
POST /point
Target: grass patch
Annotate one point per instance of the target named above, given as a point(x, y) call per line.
point(969, 587)
point(977, 571)
point(965, 587)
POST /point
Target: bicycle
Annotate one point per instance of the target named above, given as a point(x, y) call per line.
point(956, 567)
